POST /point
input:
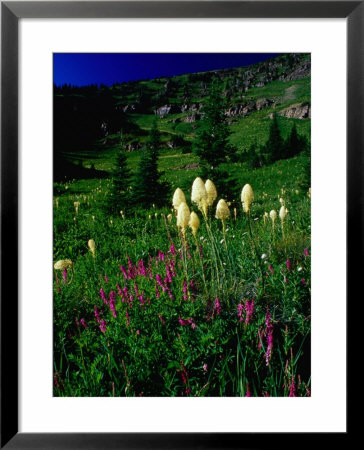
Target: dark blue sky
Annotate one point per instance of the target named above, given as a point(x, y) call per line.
point(108, 68)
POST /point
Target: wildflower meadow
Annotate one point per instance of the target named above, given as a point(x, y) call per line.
point(194, 281)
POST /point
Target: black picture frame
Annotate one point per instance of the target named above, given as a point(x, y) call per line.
point(11, 12)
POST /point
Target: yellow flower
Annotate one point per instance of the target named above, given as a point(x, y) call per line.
point(92, 246)
point(211, 192)
point(283, 212)
point(265, 217)
point(247, 197)
point(178, 198)
point(194, 222)
point(183, 216)
point(169, 217)
point(273, 215)
point(222, 210)
point(199, 195)
point(63, 264)
point(76, 205)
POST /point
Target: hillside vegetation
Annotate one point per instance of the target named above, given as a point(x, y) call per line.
point(165, 283)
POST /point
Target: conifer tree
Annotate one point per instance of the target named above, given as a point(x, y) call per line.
point(212, 144)
point(147, 188)
point(119, 197)
point(274, 148)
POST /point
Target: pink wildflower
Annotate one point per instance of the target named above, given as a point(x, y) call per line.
point(185, 290)
point(240, 311)
point(64, 274)
point(106, 279)
point(172, 249)
point(157, 294)
point(112, 303)
point(248, 393)
point(161, 319)
point(306, 252)
point(271, 269)
point(292, 389)
point(249, 308)
point(269, 336)
point(124, 272)
point(303, 281)
point(103, 296)
point(288, 265)
point(83, 323)
point(201, 252)
point(103, 326)
point(97, 314)
point(204, 367)
point(217, 306)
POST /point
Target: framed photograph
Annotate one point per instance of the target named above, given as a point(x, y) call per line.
point(166, 273)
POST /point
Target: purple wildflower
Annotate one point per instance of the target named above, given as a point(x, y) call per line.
point(306, 252)
point(172, 249)
point(97, 314)
point(141, 268)
point(185, 290)
point(292, 389)
point(269, 336)
point(112, 303)
point(124, 272)
point(249, 308)
point(161, 319)
point(217, 306)
point(160, 255)
point(288, 264)
point(303, 281)
point(248, 393)
point(103, 296)
point(204, 367)
point(83, 323)
point(271, 269)
point(106, 279)
point(240, 311)
point(64, 274)
point(159, 281)
point(103, 326)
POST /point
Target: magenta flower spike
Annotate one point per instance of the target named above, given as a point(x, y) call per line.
point(106, 279)
point(103, 326)
point(306, 252)
point(103, 296)
point(271, 270)
point(64, 274)
point(288, 264)
point(124, 272)
point(217, 306)
point(241, 308)
point(97, 314)
point(292, 389)
point(185, 290)
point(83, 323)
point(269, 337)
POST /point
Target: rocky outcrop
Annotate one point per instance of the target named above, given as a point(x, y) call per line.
point(297, 111)
point(247, 108)
point(192, 118)
point(167, 109)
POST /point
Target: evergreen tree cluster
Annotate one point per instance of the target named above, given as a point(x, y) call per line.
point(145, 187)
point(276, 147)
